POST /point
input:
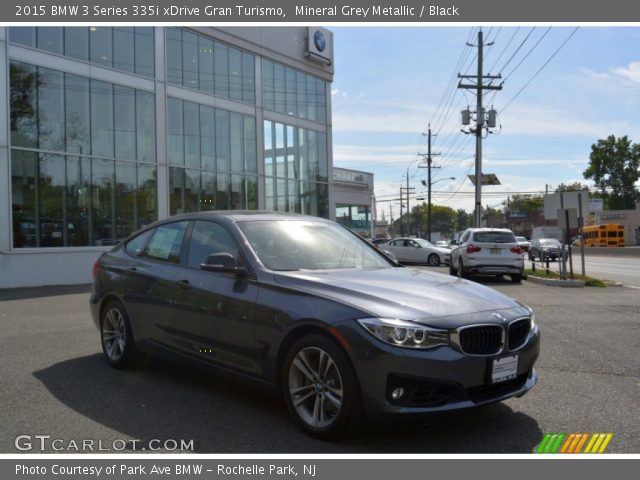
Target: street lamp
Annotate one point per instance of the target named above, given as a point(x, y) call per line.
point(424, 183)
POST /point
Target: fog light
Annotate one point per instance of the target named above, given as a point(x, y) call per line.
point(397, 393)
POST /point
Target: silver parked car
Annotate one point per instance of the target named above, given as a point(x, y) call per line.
point(487, 251)
point(417, 250)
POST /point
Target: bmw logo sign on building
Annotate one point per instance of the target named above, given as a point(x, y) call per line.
point(320, 42)
point(319, 45)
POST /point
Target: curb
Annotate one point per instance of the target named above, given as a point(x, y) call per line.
point(556, 282)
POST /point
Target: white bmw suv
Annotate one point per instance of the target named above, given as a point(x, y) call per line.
point(487, 251)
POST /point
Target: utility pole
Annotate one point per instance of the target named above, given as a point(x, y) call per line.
point(479, 88)
point(401, 205)
point(408, 191)
point(429, 157)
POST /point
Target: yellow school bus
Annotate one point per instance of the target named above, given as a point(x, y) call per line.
point(608, 235)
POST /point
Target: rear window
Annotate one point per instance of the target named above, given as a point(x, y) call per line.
point(549, 242)
point(135, 245)
point(166, 241)
point(494, 237)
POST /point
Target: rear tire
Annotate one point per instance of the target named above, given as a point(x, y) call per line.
point(320, 387)
point(116, 335)
point(461, 273)
point(516, 278)
point(433, 260)
point(452, 270)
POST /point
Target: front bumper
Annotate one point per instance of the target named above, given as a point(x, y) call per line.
point(441, 379)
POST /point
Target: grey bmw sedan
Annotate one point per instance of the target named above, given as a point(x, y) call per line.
point(305, 306)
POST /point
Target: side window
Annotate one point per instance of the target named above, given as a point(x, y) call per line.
point(166, 241)
point(135, 245)
point(208, 238)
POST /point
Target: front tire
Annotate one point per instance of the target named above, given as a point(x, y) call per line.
point(433, 260)
point(320, 387)
point(116, 336)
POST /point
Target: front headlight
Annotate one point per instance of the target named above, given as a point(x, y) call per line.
point(400, 333)
point(533, 316)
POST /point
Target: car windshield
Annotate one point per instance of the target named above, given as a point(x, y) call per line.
point(423, 243)
point(494, 237)
point(307, 245)
point(549, 242)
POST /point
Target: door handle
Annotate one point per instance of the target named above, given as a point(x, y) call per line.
point(133, 269)
point(184, 283)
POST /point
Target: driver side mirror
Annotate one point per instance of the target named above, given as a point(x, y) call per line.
point(222, 262)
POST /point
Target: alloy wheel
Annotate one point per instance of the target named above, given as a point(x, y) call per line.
point(114, 334)
point(315, 387)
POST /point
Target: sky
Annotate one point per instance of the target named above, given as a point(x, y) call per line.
point(391, 82)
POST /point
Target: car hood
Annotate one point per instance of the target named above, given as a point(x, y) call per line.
point(409, 294)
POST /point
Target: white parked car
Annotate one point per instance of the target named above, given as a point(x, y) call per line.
point(443, 244)
point(417, 250)
point(524, 243)
point(487, 251)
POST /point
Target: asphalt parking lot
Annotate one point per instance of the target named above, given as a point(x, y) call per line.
point(53, 381)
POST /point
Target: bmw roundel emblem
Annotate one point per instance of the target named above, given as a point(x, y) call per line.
point(319, 41)
point(499, 316)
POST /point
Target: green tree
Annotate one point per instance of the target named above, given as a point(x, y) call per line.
point(525, 203)
point(614, 165)
point(443, 219)
point(463, 220)
point(572, 187)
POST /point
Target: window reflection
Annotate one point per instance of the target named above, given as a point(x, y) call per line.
point(290, 91)
point(197, 62)
point(295, 161)
point(127, 49)
point(73, 198)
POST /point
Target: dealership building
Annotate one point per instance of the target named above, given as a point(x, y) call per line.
point(105, 129)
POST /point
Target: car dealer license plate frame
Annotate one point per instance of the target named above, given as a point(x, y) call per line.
point(502, 369)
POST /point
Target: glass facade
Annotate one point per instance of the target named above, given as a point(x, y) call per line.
point(295, 169)
point(292, 92)
point(355, 217)
point(83, 162)
point(82, 159)
point(197, 62)
point(213, 158)
point(127, 49)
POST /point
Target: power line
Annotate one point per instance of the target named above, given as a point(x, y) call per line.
point(504, 50)
point(540, 69)
point(528, 53)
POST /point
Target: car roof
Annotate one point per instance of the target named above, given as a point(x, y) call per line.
point(242, 216)
point(487, 229)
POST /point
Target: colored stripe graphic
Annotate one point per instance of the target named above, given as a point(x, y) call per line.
point(573, 443)
point(572, 438)
point(581, 442)
point(543, 443)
